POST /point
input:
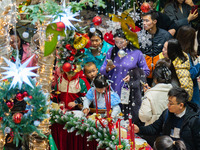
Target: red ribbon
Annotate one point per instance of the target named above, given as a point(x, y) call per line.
point(101, 123)
point(117, 123)
point(95, 93)
point(110, 124)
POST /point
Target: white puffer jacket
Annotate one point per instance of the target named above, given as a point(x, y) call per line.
point(154, 103)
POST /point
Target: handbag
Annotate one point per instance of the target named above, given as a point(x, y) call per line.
point(125, 93)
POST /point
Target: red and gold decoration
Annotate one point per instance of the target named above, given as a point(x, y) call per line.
point(71, 51)
point(97, 20)
point(80, 41)
point(17, 118)
point(145, 7)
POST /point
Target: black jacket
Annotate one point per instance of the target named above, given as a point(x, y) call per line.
point(189, 131)
point(176, 15)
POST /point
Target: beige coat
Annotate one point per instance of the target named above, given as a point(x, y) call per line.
point(154, 103)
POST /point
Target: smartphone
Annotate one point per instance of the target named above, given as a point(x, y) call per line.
point(195, 7)
point(110, 62)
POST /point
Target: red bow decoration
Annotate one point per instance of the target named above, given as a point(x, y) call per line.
point(108, 37)
point(137, 29)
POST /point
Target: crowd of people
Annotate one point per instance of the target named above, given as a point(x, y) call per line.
point(157, 85)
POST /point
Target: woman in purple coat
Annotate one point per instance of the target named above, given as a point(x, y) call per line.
point(119, 62)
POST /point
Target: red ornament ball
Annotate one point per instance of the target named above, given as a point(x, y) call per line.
point(30, 97)
point(19, 97)
point(17, 118)
point(10, 104)
point(60, 26)
point(25, 94)
point(145, 7)
point(1, 118)
point(67, 67)
point(97, 20)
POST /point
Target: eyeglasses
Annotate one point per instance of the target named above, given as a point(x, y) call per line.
point(171, 103)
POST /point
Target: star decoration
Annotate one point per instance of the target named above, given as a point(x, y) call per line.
point(19, 72)
point(144, 38)
point(66, 17)
point(135, 16)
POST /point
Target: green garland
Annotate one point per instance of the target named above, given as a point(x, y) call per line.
point(34, 113)
point(82, 125)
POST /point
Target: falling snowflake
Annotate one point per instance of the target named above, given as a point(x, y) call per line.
point(113, 26)
point(135, 16)
point(19, 72)
point(66, 17)
point(144, 38)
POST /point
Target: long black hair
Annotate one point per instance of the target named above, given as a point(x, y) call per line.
point(174, 50)
point(186, 37)
point(22, 42)
point(119, 33)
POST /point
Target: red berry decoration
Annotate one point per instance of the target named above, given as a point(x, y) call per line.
point(74, 51)
point(67, 67)
point(19, 97)
point(25, 94)
point(71, 58)
point(31, 97)
point(17, 118)
point(145, 7)
point(1, 118)
point(10, 104)
point(60, 26)
point(97, 20)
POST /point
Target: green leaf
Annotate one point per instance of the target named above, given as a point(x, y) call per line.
point(51, 45)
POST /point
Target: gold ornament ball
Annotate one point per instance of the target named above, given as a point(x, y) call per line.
point(78, 68)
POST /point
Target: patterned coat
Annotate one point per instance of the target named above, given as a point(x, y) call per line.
point(183, 74)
